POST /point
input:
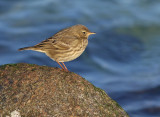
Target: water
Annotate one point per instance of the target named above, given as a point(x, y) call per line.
point(123, 58)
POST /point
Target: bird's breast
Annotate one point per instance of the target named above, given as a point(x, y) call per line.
point(74, 52)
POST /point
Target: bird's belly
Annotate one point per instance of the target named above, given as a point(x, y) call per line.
point(71, 55)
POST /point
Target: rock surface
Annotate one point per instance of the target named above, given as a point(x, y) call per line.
point(41, 91)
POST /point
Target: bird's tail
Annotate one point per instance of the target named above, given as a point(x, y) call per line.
point(35, 48)
point(26, 48)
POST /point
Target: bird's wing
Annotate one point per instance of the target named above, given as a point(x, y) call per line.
point(58, 43)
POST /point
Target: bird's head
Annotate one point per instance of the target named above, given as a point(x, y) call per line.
point(82, 31)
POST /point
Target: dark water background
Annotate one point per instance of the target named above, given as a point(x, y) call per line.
point(123, 58)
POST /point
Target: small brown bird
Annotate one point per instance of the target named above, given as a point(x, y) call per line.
point(66, 45)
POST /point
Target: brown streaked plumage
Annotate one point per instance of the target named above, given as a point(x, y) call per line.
point(64, 46)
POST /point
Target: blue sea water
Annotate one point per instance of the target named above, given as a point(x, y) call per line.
point(123, 58)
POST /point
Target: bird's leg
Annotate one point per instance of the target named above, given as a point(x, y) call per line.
point(65, 67)
point(60, 65)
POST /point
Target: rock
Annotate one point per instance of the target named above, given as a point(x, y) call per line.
point(33, 91)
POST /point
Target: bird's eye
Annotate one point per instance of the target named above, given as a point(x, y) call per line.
point(84, 32)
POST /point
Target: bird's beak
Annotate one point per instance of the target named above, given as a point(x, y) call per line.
point(91, 33)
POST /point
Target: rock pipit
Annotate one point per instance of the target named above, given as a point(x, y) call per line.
point(66, 45)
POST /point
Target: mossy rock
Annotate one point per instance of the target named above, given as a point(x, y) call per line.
point(41, 91)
